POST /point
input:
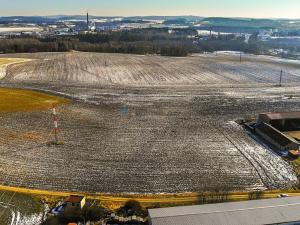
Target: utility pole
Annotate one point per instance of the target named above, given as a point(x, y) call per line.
point(240, 57)
point(55, 123)
point(280, 79)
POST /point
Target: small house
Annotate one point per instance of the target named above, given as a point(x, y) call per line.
point(75, 202)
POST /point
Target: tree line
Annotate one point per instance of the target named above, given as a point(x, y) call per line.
point(179, 42)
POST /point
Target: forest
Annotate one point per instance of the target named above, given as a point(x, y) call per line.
point(179, 42)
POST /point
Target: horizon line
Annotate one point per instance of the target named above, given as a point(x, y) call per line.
point(114, 16)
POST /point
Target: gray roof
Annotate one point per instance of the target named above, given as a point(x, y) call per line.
point(282, 115)
point(270, 211)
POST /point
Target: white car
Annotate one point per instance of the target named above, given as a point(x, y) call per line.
point(283, 196)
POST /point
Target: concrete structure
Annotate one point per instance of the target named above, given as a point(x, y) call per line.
point(278, 139)
point(75, 202)
point(275, 128)
point(271, 211)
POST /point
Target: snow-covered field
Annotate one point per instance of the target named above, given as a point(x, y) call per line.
point(19, 29)
point(148, 124)
point(135, 70)
point(16, 209)
point(7, 62)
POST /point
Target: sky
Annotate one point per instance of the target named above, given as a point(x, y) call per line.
point(207, 8)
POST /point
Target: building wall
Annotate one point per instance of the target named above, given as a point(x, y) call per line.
point(76, 205)
point(267, 138)
point(82, 203)
point(263, 118)
point(72, 205)
point(290, 146)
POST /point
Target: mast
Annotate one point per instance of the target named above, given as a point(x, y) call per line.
point(87, 21)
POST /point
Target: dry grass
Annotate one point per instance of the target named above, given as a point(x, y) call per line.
point(21, 136)
point(115, 201)
point(111, 201)
point(16, 100)
point(4, 61)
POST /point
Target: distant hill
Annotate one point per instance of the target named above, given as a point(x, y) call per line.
point(217, 22)
point(45, 19)
point(26, 19)
point(250, 23)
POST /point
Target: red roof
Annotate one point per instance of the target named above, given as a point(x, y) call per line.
point(282, 115)
point(74, 199)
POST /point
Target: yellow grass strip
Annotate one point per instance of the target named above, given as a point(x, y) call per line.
point(114, 201)
point(9, 61)
point(16, 100)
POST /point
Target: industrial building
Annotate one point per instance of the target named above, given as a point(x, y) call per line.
point(281, 130)
point(270, 211)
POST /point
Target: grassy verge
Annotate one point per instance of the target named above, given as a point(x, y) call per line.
point(114, 201)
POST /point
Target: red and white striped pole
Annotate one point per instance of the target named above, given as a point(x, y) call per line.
point(55, 122)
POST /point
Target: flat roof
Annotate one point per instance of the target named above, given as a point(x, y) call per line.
point(282, 115)
point(268, 211)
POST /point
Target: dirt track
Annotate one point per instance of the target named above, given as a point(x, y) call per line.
point(151, 139)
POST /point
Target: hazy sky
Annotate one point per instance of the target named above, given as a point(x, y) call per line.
point(229, 8)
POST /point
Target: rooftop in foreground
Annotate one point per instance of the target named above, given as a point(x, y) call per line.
point(270, 211)
point(281, 115)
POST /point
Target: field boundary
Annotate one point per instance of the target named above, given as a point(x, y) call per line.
point(114, 200)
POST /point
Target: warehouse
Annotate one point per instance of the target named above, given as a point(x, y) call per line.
point(270, 211)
